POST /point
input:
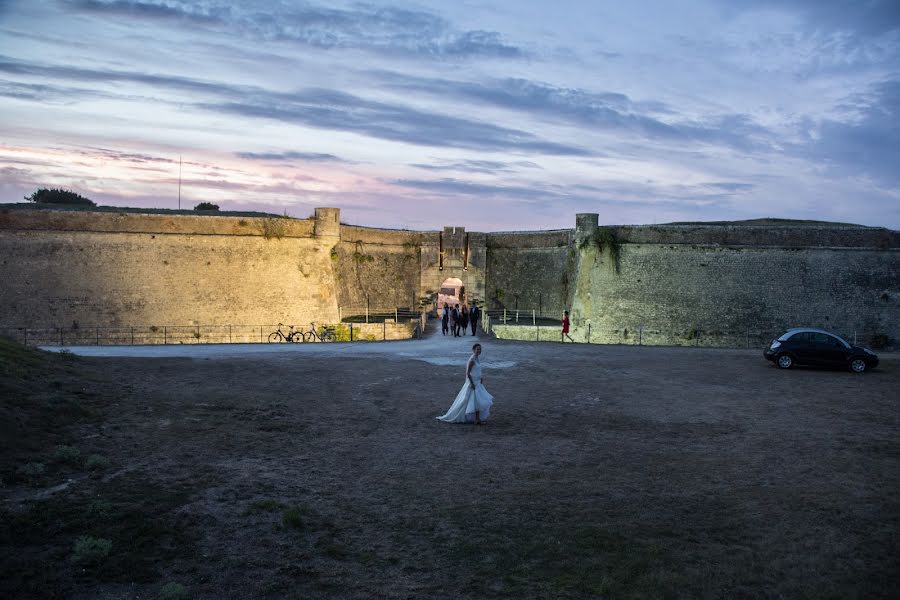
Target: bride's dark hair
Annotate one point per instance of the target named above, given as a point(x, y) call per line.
point(475, 346)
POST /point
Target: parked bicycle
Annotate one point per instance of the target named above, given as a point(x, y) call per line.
point(313, 335)
point(291, 336)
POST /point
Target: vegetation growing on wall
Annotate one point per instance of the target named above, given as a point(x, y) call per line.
point(497, 300)
point(59, 196)
point(604, 238)
point(568, 273)
point(273, 227)
point(412, 250)
point(359, 257)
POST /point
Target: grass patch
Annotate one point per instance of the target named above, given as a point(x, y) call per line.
point(42, 395)
point(90, 551)
point(30, 472)
point(266, 505)
point(293, 517)
point(99, 509)
point(174, 591)
point(582, 560)
point(332, 549)
point(69, 455)
point(139, 517)
point(96, 462)
point(17, 361)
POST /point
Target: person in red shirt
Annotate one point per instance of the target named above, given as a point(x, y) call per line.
point(565, 329)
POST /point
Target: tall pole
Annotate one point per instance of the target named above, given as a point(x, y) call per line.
point(179, 182)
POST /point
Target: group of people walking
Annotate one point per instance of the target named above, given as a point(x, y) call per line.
point(455, 320)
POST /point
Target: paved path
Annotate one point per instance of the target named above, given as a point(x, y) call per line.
point(434, 348)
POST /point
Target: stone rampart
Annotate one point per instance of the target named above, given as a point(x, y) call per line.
point(677, 292)
point(779, 236)
point(671, 284)
point(378, 268)
point(61, 269)
point(530, 270)
point(125, 222)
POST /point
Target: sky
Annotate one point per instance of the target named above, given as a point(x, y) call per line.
point(501, 115)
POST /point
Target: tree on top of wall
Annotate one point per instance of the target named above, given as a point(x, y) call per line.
point(206, 206)
point(59, 196)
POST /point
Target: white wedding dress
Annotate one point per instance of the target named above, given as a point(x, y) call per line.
point(470, 399)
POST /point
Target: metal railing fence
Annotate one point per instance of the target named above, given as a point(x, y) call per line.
point(209, 334)
point(366, 314)
point(531, 328)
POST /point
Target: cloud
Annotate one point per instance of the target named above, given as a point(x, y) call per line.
point(304, 156)
point(611, 111)
point(869, 17)
point(732, 186)
point(479, 166)
point(118, 155)
point(153, 10)
point(456, 187)
point(388, 29)
point(867, 144)
point(327, 109)
point(12, 66)
point(319, 108)
point(550, 198)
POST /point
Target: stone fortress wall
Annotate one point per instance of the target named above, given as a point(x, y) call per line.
point(727, 283)
point(531, 271)
point(672, 281)
point(377, 268)
point(60, 268)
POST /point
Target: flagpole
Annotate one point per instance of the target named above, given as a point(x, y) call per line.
point(179, 182)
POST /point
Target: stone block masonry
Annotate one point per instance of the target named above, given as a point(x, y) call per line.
point(679, 284)
point(750, 284)
point(531, 271)
point(98, 269)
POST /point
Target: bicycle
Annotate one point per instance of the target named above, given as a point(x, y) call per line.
point(313, 335)
point(290, 336)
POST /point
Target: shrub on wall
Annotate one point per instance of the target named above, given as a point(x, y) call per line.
point(59, 196)
point(273, 227)
point(605, 238)
point(341, 332)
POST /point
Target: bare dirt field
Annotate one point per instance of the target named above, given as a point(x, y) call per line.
point(605, 471)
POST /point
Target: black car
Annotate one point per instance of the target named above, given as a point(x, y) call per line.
point(817, 347)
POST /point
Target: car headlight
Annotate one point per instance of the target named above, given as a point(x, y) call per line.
point(775, 344)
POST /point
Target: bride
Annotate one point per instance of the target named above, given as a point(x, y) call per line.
point(473, 403)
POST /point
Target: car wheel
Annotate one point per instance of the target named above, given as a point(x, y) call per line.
point(857, 365)
point(784, 361)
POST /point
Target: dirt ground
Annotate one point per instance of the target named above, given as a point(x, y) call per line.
point(605, 471)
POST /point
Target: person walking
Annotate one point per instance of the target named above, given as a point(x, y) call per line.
point(565, 328)
point(473, 403)
point(474, 315)
point(454, 320)
point(464, 320)
point(445, 320)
